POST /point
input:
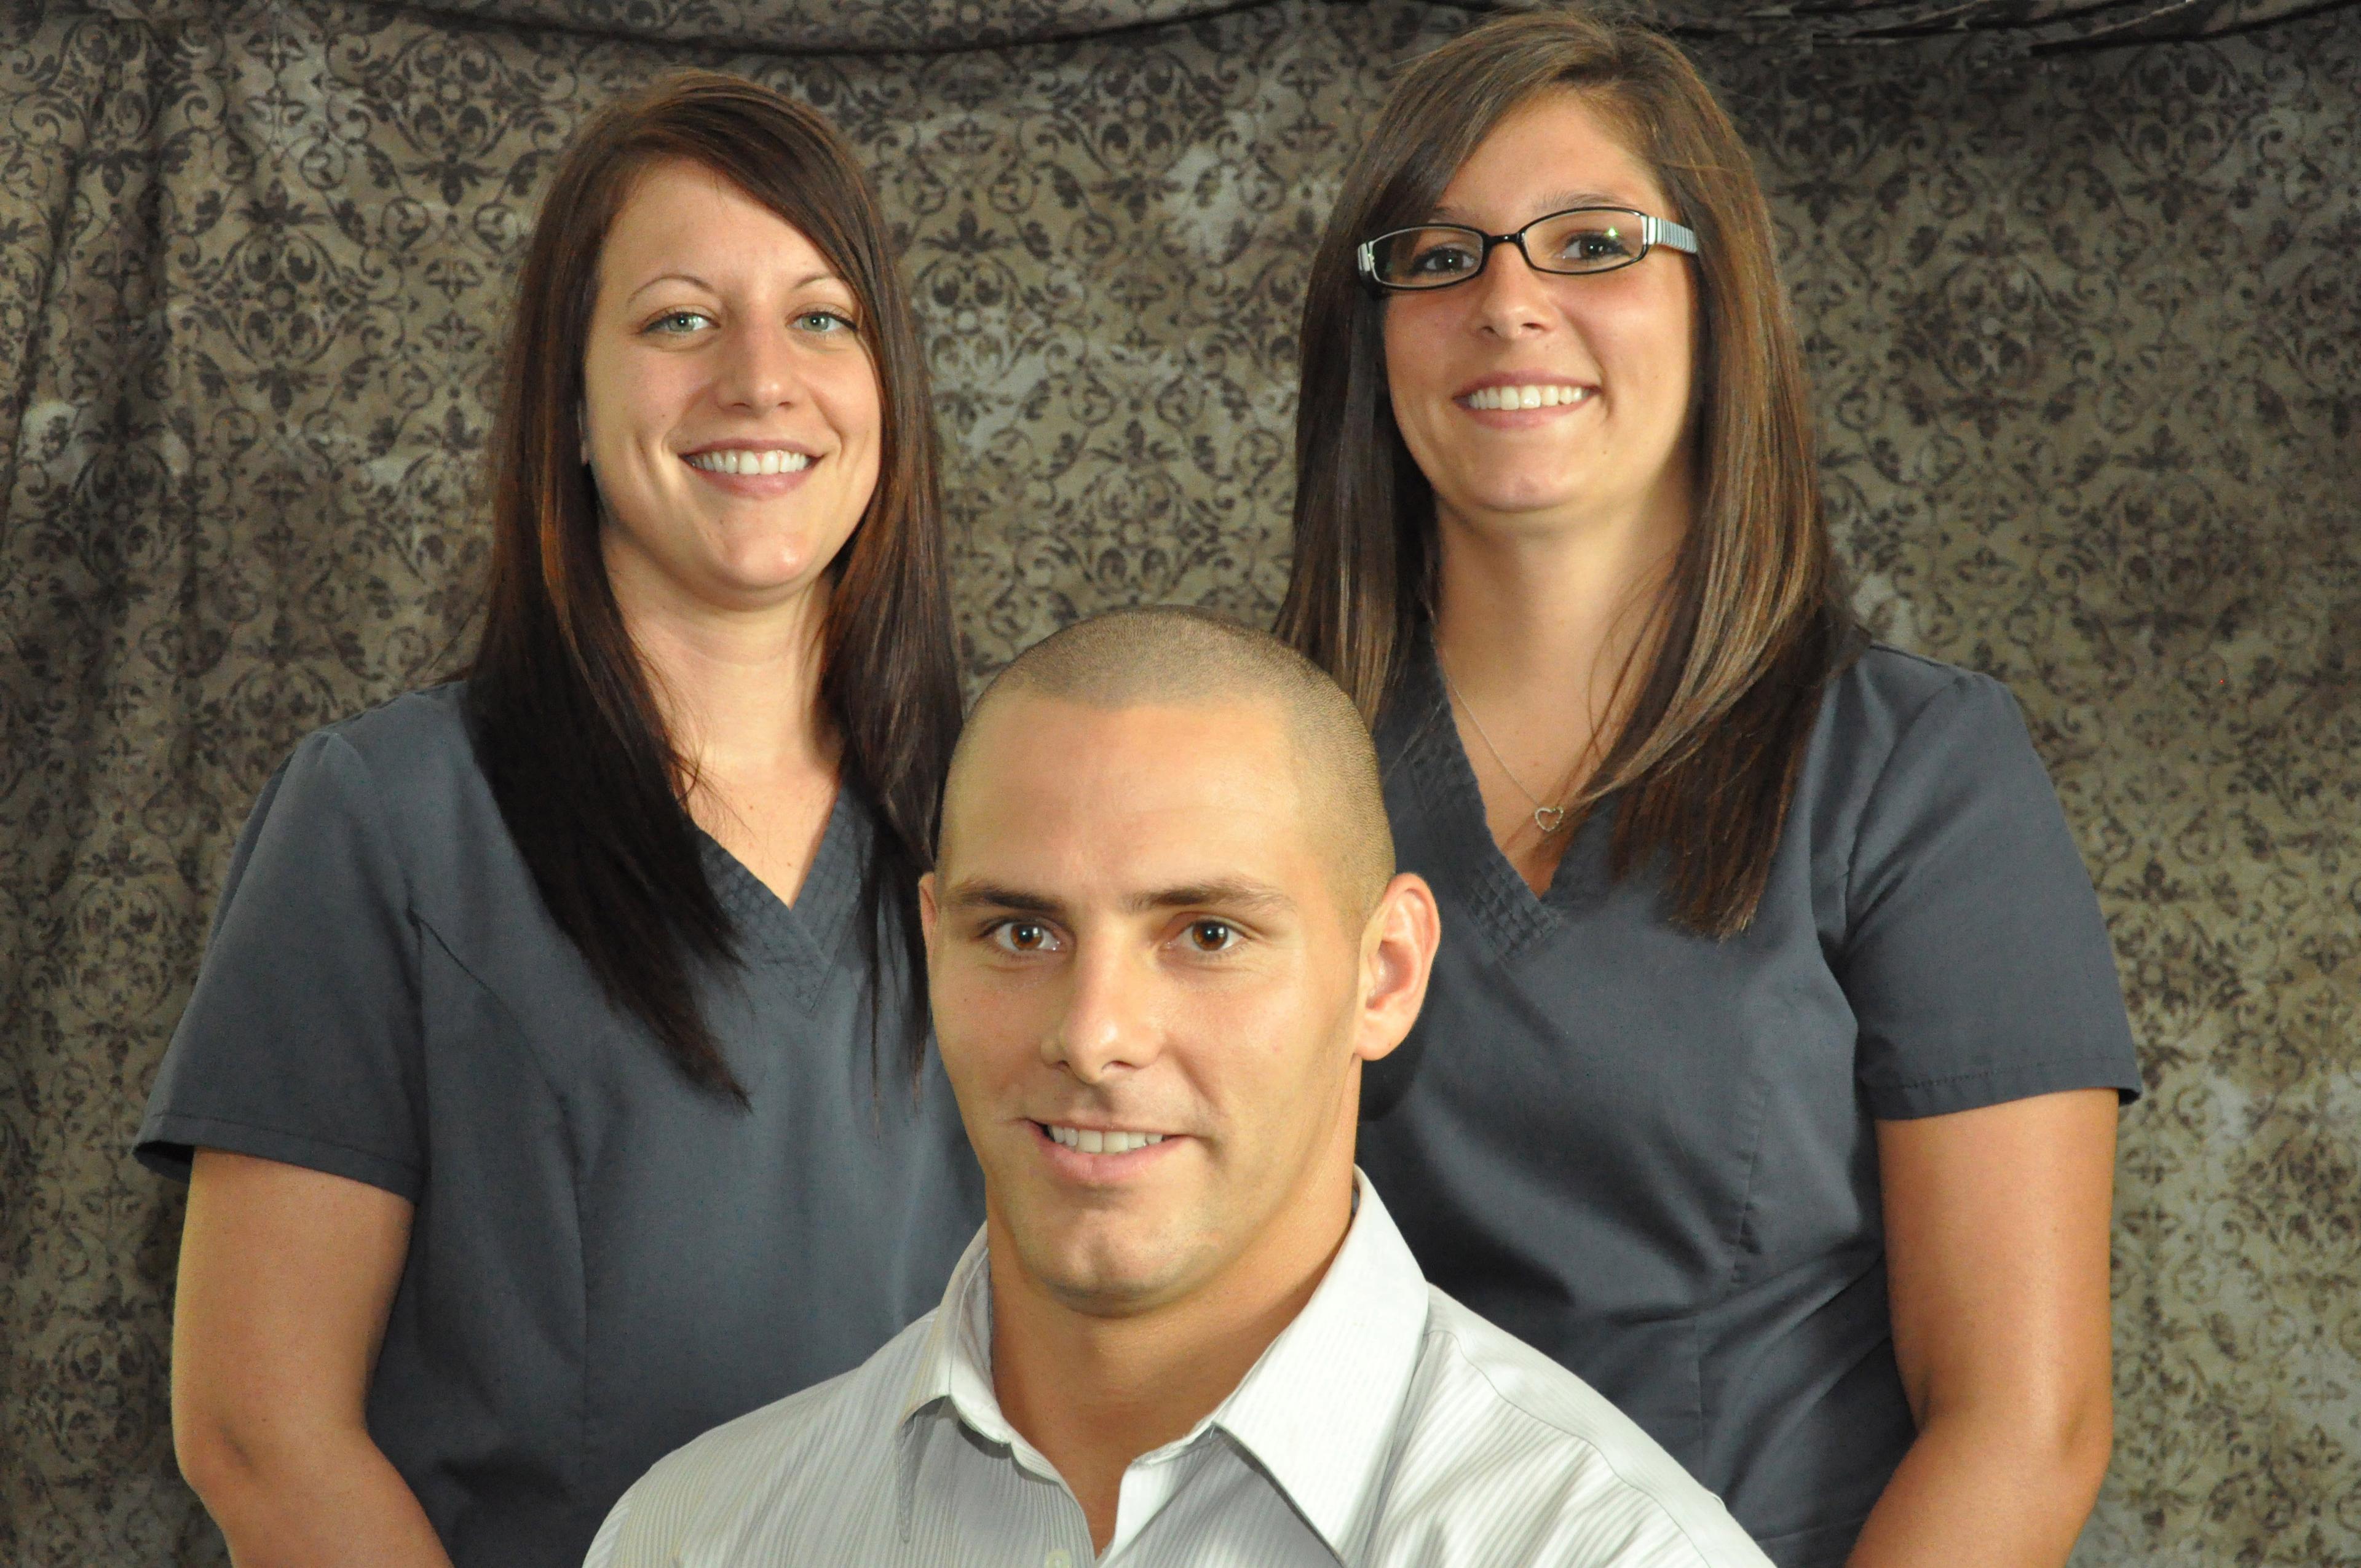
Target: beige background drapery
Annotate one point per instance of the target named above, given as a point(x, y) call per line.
point(2086, 325)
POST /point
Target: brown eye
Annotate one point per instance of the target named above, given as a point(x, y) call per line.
point(1212, 935)
point(1023, 937)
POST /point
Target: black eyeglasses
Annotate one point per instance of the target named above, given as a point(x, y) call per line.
point(1575, 243)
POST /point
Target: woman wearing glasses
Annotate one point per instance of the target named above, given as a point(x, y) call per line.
point(550, 1091)
point(1769, 1076)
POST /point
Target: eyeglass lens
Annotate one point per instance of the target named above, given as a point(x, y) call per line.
point(1564, 242)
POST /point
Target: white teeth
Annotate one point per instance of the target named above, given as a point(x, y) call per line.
point(1095, 1141)
point(1537, 397)
point(733, 460)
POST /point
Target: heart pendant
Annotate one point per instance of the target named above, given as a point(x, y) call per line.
point(1548, 818)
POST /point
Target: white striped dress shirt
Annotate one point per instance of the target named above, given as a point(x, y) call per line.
point(1387, 1425)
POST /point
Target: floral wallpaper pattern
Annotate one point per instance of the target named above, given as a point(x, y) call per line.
point(2086, 325)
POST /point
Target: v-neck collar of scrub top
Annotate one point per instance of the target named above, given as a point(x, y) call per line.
point(799, 938)
point(1422, 740)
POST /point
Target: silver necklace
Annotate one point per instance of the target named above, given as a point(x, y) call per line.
point(1548, 818)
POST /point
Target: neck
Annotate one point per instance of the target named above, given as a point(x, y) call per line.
point(739, 689)
point(1548, 619)
point(1094, 1391)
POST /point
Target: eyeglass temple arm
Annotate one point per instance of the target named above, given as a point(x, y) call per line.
point(1664, 232)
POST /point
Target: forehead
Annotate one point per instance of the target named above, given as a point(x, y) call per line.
point(1555, 151)
point(683, 216)
point(1070, 798)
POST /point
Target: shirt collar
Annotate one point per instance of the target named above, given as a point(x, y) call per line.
point(956, 1363)
point(1316, 1411)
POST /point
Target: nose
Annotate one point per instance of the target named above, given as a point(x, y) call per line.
point(1511, 299)
point(1109, 1023)
point(758, 369)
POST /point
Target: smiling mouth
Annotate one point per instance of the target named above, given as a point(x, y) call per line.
point(1546, 395)
point(1093, 1140)
point(742, 460)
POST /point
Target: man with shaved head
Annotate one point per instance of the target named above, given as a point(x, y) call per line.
point(1164, 932)
point(1167, 657)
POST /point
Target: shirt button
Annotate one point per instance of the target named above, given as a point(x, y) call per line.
point(1060, 1558)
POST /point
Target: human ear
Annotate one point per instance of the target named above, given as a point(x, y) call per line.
point(1397, 957)
point(928, 915)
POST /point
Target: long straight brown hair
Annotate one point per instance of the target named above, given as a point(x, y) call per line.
point(564, 715)
point(1754, 619)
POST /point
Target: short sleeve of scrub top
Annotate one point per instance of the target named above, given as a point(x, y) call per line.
point(1652, 1154)
point(604, 1260)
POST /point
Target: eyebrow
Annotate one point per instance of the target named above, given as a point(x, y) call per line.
point(670, 278)
point(973, 894)
point(823, 275)
point(1559, 202)
point(1229, 892)
point(1225, 894)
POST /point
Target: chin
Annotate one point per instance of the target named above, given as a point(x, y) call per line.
point(773, 555)
point(1098, 1297)
point(1518, 511)
point(770, 574)
point(1513, 485)
point(1105, 1278)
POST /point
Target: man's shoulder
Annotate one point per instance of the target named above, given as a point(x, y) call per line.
point(758, 1476)
point(1479, 1362)
point(1507, 1455)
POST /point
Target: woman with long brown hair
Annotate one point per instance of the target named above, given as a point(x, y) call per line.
point(1769, 1074)
point(555, 1084)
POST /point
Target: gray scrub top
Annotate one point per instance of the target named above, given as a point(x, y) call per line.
point(1650, 1154)
point(604, 1260)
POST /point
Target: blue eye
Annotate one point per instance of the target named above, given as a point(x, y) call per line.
point(824, 321)
point(679, 324)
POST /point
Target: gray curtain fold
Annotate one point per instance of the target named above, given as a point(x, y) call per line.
point(797, 27)
point(2036, 24)
point(807, 26)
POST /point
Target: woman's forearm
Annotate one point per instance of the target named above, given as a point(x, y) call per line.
point(1995, 1490)
point(294, 1499)
point(1997, 1224)
point(286, 1277)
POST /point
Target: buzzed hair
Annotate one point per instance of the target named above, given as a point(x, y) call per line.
point(1176, 654)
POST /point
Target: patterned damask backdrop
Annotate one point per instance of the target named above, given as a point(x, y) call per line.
point(2087, 333)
